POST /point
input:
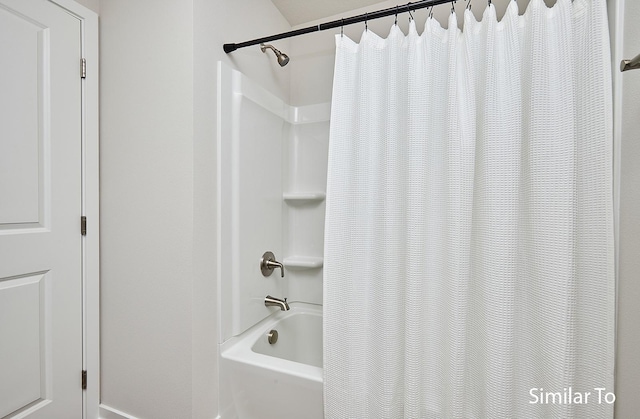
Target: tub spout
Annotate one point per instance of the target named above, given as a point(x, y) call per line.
point(270, 301)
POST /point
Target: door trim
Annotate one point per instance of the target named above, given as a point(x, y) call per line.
point(90, 207)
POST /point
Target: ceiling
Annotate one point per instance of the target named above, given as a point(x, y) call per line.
point(298, 12)
point(301, 11)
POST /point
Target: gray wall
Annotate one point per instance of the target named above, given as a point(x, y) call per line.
point(146, 161)
point(628, 347)
point(93, 5)
point(158, 189)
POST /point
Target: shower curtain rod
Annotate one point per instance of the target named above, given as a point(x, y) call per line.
point(338, 23)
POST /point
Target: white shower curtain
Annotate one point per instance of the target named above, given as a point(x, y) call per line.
point(469, 229)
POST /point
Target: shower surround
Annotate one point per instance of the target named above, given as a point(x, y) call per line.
point(272, 161)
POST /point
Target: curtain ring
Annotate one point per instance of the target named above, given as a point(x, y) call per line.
point(453, 9)
point(410, 14)
point(342, 27)
point(431, 12)
point(469, 4)
point(396, 22)
point(366, 18)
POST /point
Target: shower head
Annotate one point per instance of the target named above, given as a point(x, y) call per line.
point(283, 59)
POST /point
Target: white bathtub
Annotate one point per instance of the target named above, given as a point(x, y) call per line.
point(283, 380)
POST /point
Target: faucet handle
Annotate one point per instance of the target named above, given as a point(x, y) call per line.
point(268, 263)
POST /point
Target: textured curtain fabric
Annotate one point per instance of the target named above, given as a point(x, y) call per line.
point(469, 258)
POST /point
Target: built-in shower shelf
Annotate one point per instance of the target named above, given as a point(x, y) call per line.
point(301, 197)
point(303, 262)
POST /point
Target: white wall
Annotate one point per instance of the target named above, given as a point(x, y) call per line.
point(628, 345)
point(158, 189)
point(93, 5)
point(146, 104)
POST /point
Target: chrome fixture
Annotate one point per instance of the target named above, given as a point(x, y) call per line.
point(283, 59)
point(268, 263)
point(270, 301)
point(272, 336)
point(632, 64)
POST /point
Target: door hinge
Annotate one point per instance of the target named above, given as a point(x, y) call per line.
point(84, 379)
point(83, 225)
point(83, 68)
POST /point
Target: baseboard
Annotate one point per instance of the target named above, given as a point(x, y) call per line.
point(107, 412)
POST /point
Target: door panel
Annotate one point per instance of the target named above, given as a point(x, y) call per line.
point(23, 45)
point(40, 209)
point(22, 298)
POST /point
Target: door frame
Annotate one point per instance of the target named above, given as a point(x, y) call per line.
point(90, 206)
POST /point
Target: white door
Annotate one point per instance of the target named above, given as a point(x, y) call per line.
point(40, 209)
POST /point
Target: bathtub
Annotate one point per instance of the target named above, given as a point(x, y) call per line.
point(281, 380)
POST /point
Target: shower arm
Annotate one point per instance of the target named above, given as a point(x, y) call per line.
point(338, 23)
